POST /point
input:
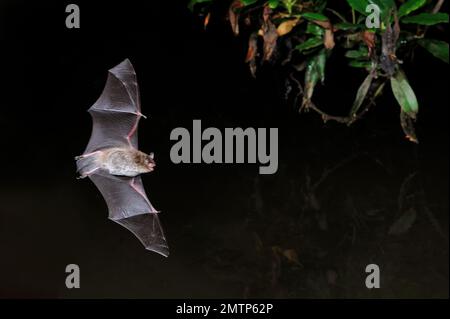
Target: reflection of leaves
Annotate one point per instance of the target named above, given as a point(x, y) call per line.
point(427, 18)
point(437, 48)
point(290, 254)
point(404, 223)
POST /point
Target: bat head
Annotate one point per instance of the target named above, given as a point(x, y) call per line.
point(149, 162)
point(145, 163)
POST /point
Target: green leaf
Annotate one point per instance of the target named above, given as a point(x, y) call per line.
point(309, 44)
point(361, 6)
point(347, 26)
point(315, 71)
point(360, 64)
point(273, 4)
point(363, 52)
point(321, 62)
point(314, 29)
point(410, 6)
point(289, 4)
point(427, 18)
point(404, 94)
point(314, 16)
point(361, 94)
point(248, 2)
point(192, 3)
point(437, 48)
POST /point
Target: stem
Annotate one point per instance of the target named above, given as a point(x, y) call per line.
point(437, 7)
point(435, 10)
point(349, 120)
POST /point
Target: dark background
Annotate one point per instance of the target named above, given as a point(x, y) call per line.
point(227, 226)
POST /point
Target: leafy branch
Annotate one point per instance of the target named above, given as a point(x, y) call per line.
point(375, 34)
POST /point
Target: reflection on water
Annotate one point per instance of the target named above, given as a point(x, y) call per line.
point(308, 231)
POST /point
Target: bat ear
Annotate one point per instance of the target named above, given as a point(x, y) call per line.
point(152, 155)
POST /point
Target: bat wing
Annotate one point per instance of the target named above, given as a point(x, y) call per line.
point(129, 206)
point(117, 112)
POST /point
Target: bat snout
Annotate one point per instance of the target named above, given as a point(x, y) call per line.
point(150, 164)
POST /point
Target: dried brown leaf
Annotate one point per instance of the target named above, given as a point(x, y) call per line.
point(207, 18)
point(328, 40)
point(270, 40)
point(286, 27)
point(233, 16)
point(252, 53)
point(407, 123)
point(369, 39)
point(266, 14)
point(324, 24)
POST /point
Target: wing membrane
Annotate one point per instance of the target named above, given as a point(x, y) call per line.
point(117, 112)
point(129, 206)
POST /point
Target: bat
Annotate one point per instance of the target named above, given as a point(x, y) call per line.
point(113, 162)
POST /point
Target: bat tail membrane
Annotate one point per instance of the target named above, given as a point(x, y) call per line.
point(147, 228)
point(86, 165)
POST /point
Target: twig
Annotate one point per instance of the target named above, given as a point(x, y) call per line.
point(433, 220)
point(371, 103)
point(326, 117)
point(435, 10)
point(437, 7)
point(435, 223)
point(349, 120)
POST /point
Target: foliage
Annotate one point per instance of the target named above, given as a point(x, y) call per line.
point(313, 29)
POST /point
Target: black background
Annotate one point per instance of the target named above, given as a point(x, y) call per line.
point(51, 76)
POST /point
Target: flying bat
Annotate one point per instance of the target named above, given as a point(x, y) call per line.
point(113, 162)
